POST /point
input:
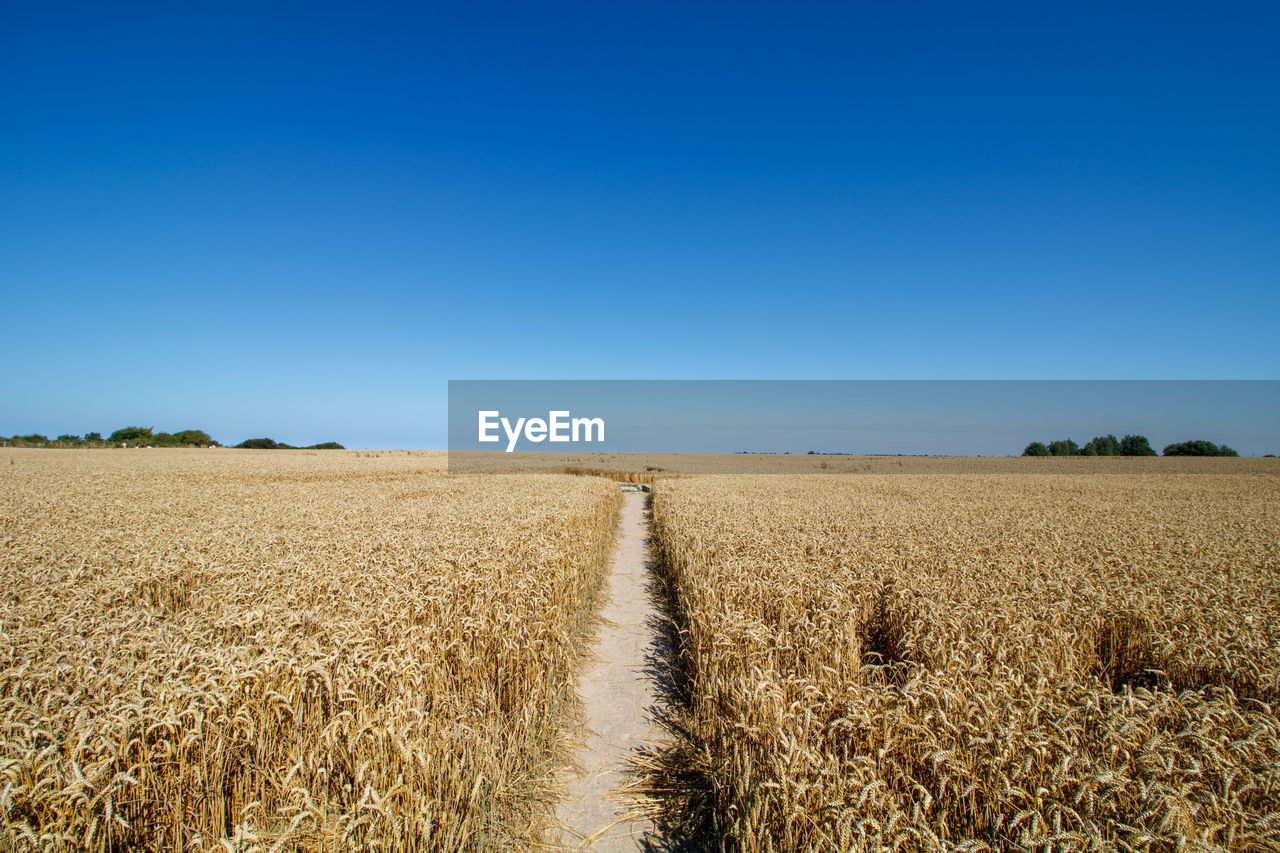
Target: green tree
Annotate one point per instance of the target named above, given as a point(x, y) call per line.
point(1036, 448)
point(1198, 447)
point(193, 438)
point(93, 436)
point(1136, 445)
point(1103, 445)
point(1064, 447)
point(131, 435)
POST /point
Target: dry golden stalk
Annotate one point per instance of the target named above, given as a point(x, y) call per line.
point(1035, 662)
point(286, 651)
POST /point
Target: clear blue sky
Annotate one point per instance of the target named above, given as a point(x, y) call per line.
point(300, 221)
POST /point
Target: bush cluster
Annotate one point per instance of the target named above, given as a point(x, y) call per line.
point(132, 435)
point(1130, 445)
point(1199, 447)
point(272, 444)
point(136, 436)
point(1103, 445)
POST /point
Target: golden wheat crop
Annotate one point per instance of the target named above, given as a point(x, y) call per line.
point(1035, 662)
point(206, 649)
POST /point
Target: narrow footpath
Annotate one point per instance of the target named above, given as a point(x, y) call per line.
point(616, 694)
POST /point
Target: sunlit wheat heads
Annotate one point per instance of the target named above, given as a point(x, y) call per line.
point(205, 649)
point(1011, 662)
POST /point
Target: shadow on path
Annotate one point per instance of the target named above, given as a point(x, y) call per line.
point(670, 779)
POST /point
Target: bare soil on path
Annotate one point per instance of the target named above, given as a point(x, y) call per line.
point(617, 693)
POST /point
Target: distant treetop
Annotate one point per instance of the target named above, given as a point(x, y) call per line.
point(140, 436)
point(1101, 445)
point(147, 436)
point(1198, 447)
point(272, 444)
point(1136, 445)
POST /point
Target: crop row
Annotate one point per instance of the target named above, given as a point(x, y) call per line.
point(1036, 662)
point(286, 652)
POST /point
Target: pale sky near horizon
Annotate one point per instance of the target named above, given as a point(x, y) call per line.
point(912, 417)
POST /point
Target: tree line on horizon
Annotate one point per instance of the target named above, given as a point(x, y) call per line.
point(1130, 445)
point(270, 444)
point(135, 436)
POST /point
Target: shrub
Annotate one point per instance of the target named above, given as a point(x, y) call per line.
point(272, 444)
point(1136, 445)
point(132, 435)
point(1105, 445)
point(193, 438)
point(259, 444)
point(1198, 447)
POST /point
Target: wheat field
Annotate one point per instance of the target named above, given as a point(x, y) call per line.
point(276, 651)
point(280, 651)
point(975, 662)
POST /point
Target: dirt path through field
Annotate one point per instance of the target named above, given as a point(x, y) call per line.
point(616, 693)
